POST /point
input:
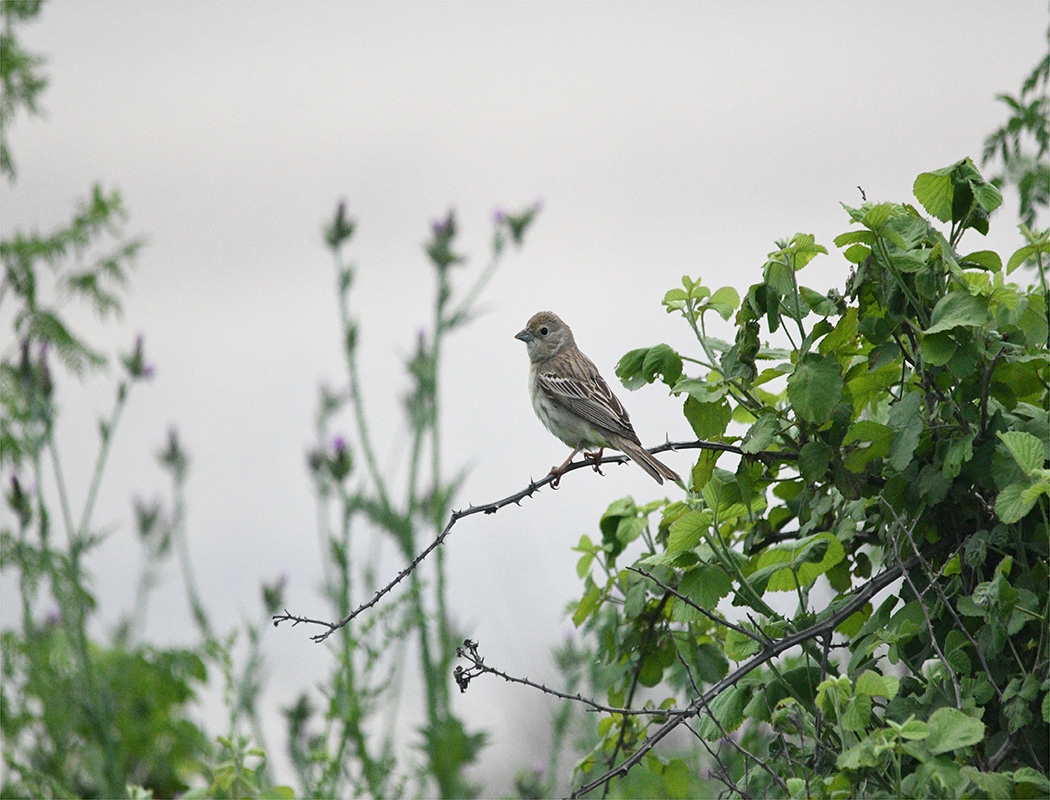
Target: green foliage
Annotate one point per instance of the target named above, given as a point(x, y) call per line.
point(19, 74)
point(81, 716)
point(1021, 167)
point(334, 748)
point(900, 439)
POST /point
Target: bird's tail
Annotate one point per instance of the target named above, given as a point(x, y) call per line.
point(646, 461)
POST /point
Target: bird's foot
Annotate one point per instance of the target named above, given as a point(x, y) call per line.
point(557, 473)
point(596, 459)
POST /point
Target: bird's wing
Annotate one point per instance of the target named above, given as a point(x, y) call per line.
point(584, 392)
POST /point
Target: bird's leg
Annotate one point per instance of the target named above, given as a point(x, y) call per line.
point(557, 472)
point(596, 459)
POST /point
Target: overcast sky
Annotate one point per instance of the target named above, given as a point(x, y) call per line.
point(661, 139)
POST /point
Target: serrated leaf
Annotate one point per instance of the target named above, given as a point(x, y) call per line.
point(725, 301)
point(760, 435)
point(844, 332)
point(708, 420)
point(809, 558)
point(586, 606)
point(1015, 501)
point(938, 349)
point(983, 259)
point(957, 310)
point(876, 685)
point(877, 216)
point(727, 709)
point(642, 366)
point(951, 729)
point(852, 237)
point(704, 468)
point(813, 461)
point(857, 714)
point(988, 197)
point(1028, 451)
point(814, 388)
point(738, 646)
point(705, 586)
point(934, 191)
point(856, 253)
point(675, 299)
point(687, 531)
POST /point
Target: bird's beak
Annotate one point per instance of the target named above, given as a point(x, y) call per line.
point(524, 334)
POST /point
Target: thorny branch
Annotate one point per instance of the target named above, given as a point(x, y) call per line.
point(756, 636)
point(822, 628)
point(771, 649)
point(469, 651)
point(516, 498)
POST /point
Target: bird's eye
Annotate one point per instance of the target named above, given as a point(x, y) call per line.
point(544, 331)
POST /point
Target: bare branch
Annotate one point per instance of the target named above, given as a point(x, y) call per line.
point(469, 651)
point(824, 627)
point(491, 508)
point(759, 637)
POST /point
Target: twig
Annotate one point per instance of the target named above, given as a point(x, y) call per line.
point(469, 651)
point(491, 508)
point(826, 626)
point(759, 637)
point(922, 606)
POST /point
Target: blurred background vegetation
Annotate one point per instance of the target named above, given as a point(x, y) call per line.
point(86, 714)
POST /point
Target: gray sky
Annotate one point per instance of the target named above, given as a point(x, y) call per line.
point(662, 139)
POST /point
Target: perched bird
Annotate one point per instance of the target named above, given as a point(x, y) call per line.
point(574, 402)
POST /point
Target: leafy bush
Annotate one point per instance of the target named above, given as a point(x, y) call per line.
point(892, 488)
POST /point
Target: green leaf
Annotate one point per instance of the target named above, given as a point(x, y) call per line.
point(724, 301)
point(676, 779)
point(866, 430)
point(852, 237)
point(1028, 451)
point(687, 531)
point(856, 253)
point(675, 299)
point(1016, 500)
point(983, 259)
point(587, 605)
point(738, 646)
point(857, 714)
point(728, 709)
point(905, 417)
point(761, 434)
point(708, 420)
point(704, 468)
point(844, 332)
point(951, 729)
point(639, 367)
point(1020, 256)
point(809, 558)
point(814, 388)
point(934, 191)
point(958, 310)
point(988, 197)
point(914, 730)
point(813, 461)
point(705, 586)
point(937, 349)
point(876, 685)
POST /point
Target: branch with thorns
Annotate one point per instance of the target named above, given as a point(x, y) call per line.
point(766, 456)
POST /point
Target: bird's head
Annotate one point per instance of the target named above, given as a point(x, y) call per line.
point(545, 336)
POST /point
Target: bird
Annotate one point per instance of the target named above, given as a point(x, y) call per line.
point(575, 403)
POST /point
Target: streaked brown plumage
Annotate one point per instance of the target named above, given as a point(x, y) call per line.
point(574, 402)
